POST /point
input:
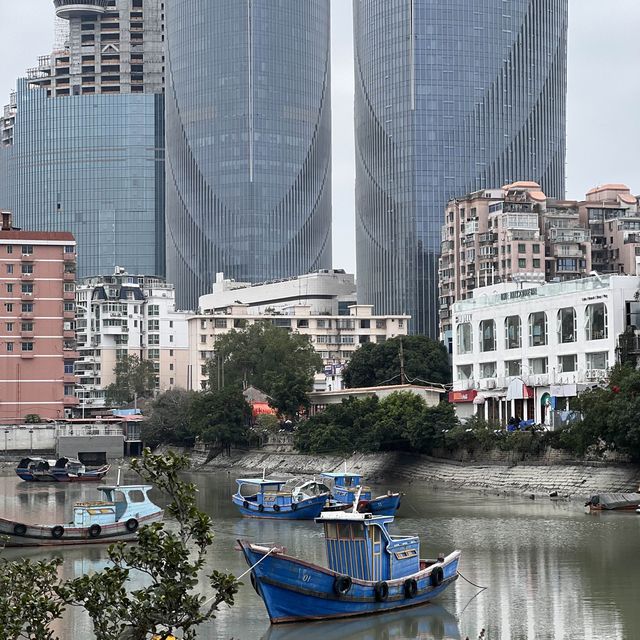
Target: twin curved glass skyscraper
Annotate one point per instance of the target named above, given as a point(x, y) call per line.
point(248, 130)
point(451, 97)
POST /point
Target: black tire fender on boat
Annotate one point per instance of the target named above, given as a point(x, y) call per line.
point(95, 530)
point(20, 529)
point(254, 583)
point(342, 585)
point(294, 506)
point(437, 576)
point(381, 591)
point(410, 588)
point(260, 508)
point(276, 507)
point(132, 525)
point(57, 532)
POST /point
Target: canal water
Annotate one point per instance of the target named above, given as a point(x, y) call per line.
point(551, 571)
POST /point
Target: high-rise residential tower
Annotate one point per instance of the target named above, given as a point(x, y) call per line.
point(248, 141)
point(82, 142)
point(451, 97)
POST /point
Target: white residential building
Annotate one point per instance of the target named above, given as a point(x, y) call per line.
point(524, 350)
point(335, 337)
point(125, 314)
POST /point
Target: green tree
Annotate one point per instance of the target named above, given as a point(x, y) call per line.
point(426, 430)
point(395, 413)
point(221, 416)
point(270, 358)
point(134, 377)
point(172, 562)
point(425, 361)
point(170, 419)
point(32, 597)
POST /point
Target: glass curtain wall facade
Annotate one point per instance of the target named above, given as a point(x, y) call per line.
point(248, 141)
point(451, 97)
point(92, 165)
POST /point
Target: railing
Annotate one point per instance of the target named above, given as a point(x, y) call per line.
point(68, 430)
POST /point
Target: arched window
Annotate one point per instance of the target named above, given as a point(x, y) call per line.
point(596, 321)
point(465, 338)
point(537, 329)
point(567, 328)
point(513, 332)
point(487, 335)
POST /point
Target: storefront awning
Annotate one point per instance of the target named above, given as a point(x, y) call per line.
point(564, 390)
point(462, 396)
point(518, 390)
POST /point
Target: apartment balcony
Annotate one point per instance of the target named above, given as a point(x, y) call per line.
point(69, 257)
point(27, 257)
point(27, 355)
point(26, 315)
point(26, 334)
point(69, 295)
point(69, 276)
point(69, 378)
point(69, 315)
point(70, 401)
point(25, 296)
point(568, 252)
point(69, 334)
point(26, 277)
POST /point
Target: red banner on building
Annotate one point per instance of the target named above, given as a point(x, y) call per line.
point(462, 396)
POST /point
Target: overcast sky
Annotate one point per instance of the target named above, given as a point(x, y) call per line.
point(603, 133)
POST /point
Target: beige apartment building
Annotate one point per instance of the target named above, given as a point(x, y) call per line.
point(128, 314)
point(37, 323)
point(335, 337)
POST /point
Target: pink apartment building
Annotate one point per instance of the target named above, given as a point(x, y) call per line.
point(37, 323)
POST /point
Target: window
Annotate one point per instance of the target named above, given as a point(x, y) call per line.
point(487, 335)
point(321, 324)
point(69, 306)
point(596, 322)
point(9, 346)
point(203, 324)
point(9, 249)
point(27, 288)
point(513, 332)
point(170, 324)
point(487, 369)
point(203, 339)
point(170, 337)
point(465, 338)
point(220, 323)
point(522, 263)
point(513, 368)
point(9, 268)
point(321, 339)
point(26, 326)
point(538, 365)
point(153, 354)
point(69, 287)
point(27, 249)
point(152, 310)
point(69, 389)
point(68, 367)
point(27, 307)
point(536, 248)
point(171, 381)
point(536, 263)
point(9, 306)
point(26, 346)
point(567, 363)
point(171, 366)
point(154, 338)
point(171, 352)
point(153, 325)
point(400, 324)
point(9, 327)
point(633, 314)
point(27, 268)
point(380, 324)
point(522, 248)
point(465, 371)
point(567, 328)
point(599, 360)
point(9, 288)
point(537, 329)
point(365, 324)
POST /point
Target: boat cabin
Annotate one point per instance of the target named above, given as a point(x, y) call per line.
point(71, 465)
point(346, 485)
point(119, 505)
point(35, 464)
point(268, 494)
point(310, 489)
point(359, 545)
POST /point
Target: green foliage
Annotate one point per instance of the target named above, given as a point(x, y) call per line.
point(221, 416)
point(172, 562)
point(32, 418)
point(170, 421)
point(266, 422)
point(425, 431)
point(271, 359)
point(134, 377)
point(31, 598)
point(425, 361)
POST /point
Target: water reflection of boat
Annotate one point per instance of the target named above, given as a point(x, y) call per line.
point(114, 519)
point(61, 470)
point(428, 622)
point(369, 571)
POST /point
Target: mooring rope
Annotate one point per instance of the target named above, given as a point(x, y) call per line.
point(472, 583)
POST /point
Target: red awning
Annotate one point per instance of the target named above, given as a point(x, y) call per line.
point(462, 396)
point(258, 408)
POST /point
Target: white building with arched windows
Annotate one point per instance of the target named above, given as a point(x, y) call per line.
point(526, 349)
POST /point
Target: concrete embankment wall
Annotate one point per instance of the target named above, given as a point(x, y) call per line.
point(528, 478)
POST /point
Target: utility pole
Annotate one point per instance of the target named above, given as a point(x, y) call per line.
point(402, 374)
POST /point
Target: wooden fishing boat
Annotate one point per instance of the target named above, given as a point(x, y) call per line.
point(62, 470)
point(369, 571)
point(347, 485)
point(116, 518)
point(267, 499)
point(612, 502)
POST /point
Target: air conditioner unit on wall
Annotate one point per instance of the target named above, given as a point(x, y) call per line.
point(491, 384)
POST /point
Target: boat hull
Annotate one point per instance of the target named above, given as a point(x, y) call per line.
point(61, 475)
point(38, 535)
point(296, 591)
point(381, 506)
point(303, 510)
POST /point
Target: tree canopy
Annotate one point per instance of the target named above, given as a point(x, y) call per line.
point(170, 420)
point(425, 361)
point(270, 358)
point(134, 377)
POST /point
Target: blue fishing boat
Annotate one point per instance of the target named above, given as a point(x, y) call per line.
point(347, 485)
point(369, 571)
point(268, 498)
